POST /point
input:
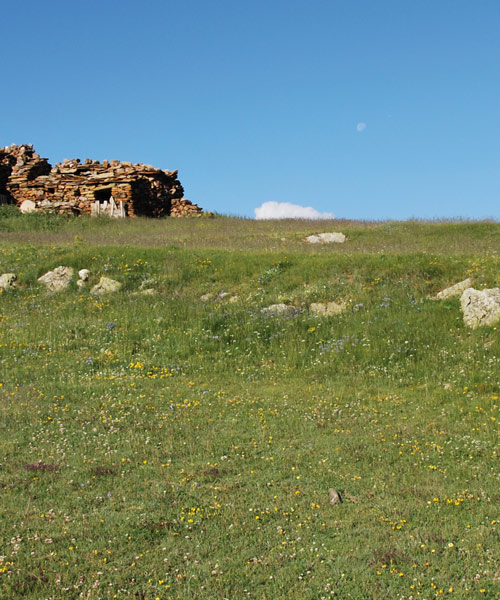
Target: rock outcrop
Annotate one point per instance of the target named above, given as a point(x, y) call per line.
point(111, 188)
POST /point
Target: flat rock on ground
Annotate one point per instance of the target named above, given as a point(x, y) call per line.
point(278, 309)
point(454, 290)
point(480, 307)
point(222, 295)
point(327, 238)
point(145, 292)
point(327, 309)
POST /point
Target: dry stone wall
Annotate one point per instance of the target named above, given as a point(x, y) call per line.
point(114, 188)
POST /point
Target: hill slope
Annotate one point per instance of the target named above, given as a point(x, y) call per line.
point(182, 444)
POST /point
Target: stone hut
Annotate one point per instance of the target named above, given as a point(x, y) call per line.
point(112, 188)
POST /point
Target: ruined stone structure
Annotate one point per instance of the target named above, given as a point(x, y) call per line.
point(113, 188)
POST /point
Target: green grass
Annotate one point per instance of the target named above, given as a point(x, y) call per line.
point(224, 233)
point(168, 447)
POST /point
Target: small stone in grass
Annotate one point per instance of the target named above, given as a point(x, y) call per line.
point(7, 281)
point(335, 497)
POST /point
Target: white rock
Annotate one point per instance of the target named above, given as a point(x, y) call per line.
point(480, 307)
point(327, 309)
point(278, 309)
point(28, 206)
point(7, 281)
point(106, 286)
point(83, 274)
point(454, 290)
point(313, 239)
point(327, 238)
point(58, 279)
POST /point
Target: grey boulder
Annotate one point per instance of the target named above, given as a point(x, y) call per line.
point(58, 279)
point(480, 307)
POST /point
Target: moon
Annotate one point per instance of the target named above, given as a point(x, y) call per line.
point(361, 127)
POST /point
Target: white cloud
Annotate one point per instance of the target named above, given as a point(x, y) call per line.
point(361, 127)
point(287, 210)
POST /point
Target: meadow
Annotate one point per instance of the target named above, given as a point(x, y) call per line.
point(164, 446)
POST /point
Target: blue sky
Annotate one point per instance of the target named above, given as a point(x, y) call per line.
point(259, 102)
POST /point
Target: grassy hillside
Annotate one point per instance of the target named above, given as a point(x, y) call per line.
point(165, 446)
point(224, 233)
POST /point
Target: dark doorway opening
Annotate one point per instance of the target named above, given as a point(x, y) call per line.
point(102, 195)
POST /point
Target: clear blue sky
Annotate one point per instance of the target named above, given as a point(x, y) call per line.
point(260, 101)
